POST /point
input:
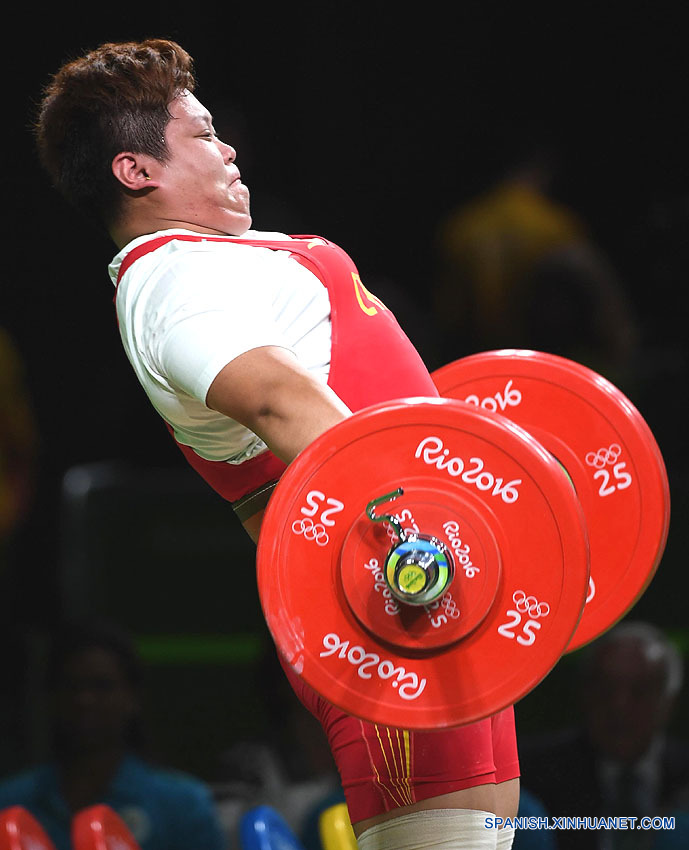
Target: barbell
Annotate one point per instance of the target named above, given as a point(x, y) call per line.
point(426, 562)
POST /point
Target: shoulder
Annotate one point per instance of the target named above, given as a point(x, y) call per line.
point(177, 252)
point(173, 785)
point(180, 809)
point(675, 757)
point(20, 788)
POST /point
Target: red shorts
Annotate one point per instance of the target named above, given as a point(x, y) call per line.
point(382, 768)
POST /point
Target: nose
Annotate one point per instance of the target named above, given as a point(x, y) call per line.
point(228, 152)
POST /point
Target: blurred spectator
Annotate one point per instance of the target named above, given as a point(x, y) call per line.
point(517, 269)
point(18, 444)
point(18, 461)
point(93, 684)
point(290, 768)
point(621, 761)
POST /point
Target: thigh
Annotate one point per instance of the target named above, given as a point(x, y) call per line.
point(504, 738)
point(383, 768)
point(444, 829)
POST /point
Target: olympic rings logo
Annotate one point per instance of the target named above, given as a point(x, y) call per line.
point(311, 531)
point(524, 603)
point(604, 457)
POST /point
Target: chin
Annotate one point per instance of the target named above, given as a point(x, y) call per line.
point(239, 228)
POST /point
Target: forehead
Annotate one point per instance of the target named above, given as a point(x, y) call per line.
point(92, 661)
point(187, 109)
point(630, 660)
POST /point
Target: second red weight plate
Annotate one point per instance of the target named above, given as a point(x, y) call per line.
point(608, 450)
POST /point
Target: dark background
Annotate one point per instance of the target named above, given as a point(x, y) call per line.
point(366, 124)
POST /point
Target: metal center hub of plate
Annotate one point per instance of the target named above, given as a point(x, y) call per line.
point(456, 525)
point(419, 569)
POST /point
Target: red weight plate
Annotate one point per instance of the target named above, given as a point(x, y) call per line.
point(517, 510)
point(606, 447)
point(101, 828)
point(20, 830)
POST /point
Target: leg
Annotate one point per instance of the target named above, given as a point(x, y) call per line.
point(507, 799)
point(440, 829)
point(506, 773)
point(480, 799)
point(390, 773)
point(505, 838)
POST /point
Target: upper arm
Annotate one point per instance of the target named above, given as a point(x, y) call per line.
point(200, 313)
point(193, 819)
point(272, 394)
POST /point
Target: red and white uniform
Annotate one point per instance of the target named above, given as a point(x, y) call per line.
point(369, 360)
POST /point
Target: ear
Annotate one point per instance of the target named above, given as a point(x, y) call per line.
point(135, 171)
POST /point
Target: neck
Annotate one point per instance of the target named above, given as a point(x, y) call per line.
point(132, 227)
point(123, 236)
point(85, 777)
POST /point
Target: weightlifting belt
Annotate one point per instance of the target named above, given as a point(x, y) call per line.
point(372, 359)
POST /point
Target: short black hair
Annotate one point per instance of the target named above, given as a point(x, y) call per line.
point(75, 636)
point(115, 98)
point(656, 646)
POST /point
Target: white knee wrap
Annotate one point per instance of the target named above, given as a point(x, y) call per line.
point(432, 829)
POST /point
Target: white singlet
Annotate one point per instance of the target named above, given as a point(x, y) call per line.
point(187, 309)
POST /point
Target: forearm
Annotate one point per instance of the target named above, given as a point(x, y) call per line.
point(294, 419)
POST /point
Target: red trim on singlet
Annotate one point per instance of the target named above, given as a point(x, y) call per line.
point(146, 248)
point(372, 360)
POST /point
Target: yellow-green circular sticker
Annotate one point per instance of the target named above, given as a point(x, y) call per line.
point(411, 578)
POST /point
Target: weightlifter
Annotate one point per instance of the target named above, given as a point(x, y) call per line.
point(250, 345)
